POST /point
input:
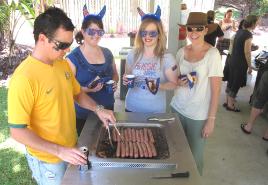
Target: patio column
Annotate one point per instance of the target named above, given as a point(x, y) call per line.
point(174, 19)
point(173, 44)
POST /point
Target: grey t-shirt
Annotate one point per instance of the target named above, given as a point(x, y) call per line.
point(139, 98)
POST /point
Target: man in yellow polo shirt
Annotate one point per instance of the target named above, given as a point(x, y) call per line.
point(41, 101)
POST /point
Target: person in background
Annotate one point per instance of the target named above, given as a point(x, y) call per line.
point(227, 61)
point(240, 61)
point(150, 63)
point(217, 33)
point(41, 98)
point(259, 99)
point(89, 61)
point(195, 101)
point(228, 27)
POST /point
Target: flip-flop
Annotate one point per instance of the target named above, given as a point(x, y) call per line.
point(265, 139)
point(232, 109)
point(242, 126)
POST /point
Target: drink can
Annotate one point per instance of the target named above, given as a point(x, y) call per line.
point(84, 167)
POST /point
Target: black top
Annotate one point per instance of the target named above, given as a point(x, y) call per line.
point(211, 38)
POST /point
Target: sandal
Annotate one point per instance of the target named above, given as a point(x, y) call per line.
point(224, 104)
point(265, 139)
point(242, 126)
point(235, 109)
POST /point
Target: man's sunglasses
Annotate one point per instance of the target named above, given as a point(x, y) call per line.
point(92, 32)
point(150, 33)
point(198, 28)
point(61, 45)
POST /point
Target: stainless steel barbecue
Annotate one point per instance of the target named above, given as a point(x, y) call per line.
point(173, 159)
point(103, 155)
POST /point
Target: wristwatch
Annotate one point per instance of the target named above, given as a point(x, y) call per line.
point(99, 108)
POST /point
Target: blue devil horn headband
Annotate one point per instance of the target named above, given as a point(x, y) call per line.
point(156, 16)
point(98, 16)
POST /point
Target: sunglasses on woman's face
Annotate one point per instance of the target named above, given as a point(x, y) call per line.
point(198, 29)
point(61, 45)
point(150, 33)
point(92, 32)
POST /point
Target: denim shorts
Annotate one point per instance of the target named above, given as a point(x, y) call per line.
point(46, 173)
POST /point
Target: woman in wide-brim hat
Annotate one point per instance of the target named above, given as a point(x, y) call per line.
point(196, 98)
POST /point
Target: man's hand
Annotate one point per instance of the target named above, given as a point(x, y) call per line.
point(71, 155)
point(106, 116)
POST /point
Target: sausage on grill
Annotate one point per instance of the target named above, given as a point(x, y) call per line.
point(129, 134)
point(130, 144)
point(140, 149)
point(141, 135)
point(123, 137)
point(118, 152)
point(136, 150)
point(145, 135)
point(151, 137)
point(133, 134)
point(123, 149)
point(114, 135)
point(144, 149)
point(127, 149)
point(148, 147)
point(126, 135)
point(153, 149)
point(138, 136)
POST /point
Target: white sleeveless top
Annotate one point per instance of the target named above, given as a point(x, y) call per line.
point(228, 33)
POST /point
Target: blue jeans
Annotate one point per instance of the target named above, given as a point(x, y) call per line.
point(46, 173)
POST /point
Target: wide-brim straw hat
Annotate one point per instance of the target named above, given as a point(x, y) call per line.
point(199, 19)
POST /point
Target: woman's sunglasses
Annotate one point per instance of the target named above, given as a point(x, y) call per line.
point(92, 32)
point(61, 45)
point(198, 28)
point(150, 33)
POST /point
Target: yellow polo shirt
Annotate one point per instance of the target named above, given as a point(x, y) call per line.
point(40, 97)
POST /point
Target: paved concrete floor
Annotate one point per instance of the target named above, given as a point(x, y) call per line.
point(231, 157)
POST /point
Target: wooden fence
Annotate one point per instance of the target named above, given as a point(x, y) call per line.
point(121, 15)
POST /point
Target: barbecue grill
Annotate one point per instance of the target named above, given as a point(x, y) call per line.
point(108, 158)
point(173, 154)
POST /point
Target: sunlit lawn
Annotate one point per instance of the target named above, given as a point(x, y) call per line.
point(13, 165)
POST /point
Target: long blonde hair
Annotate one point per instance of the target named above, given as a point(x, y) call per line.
point(160, 47)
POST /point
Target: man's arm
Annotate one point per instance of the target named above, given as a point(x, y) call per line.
point(29, 138)
point(106, 116)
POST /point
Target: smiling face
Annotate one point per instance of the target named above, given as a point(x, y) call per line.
point(92, 34)
point(149, 35)
point(229, 14)
point(196, 34)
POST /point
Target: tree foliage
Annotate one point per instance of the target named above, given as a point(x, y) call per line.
point(259, 7)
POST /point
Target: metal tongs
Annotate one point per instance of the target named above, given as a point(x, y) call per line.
point(117, 131)
point(161, 119)
point(109, 135)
